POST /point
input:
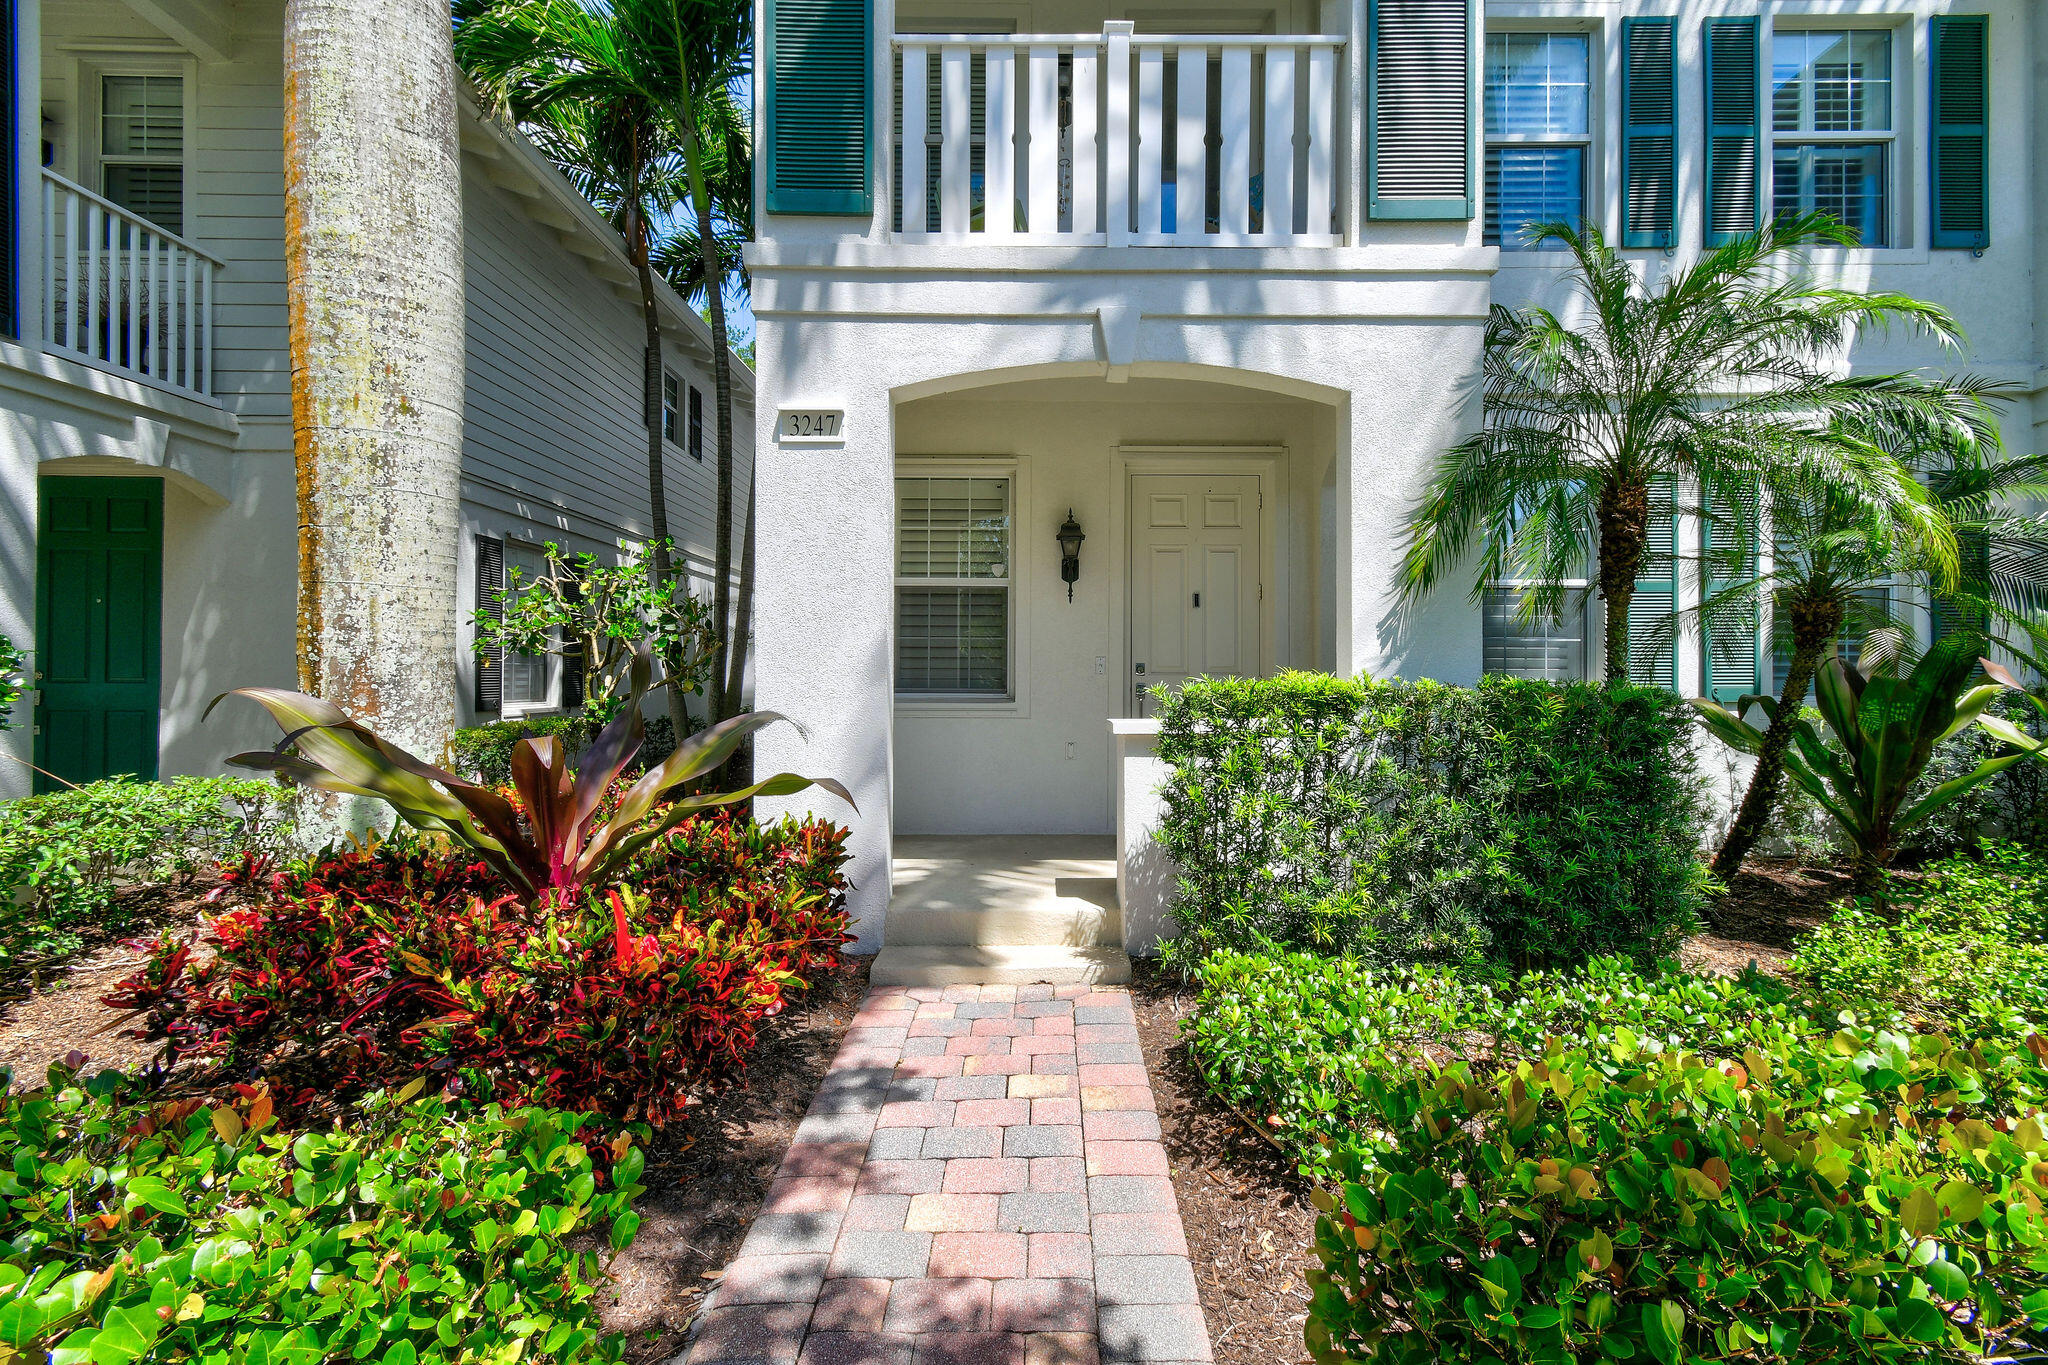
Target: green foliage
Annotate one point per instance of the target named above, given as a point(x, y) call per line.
point(11, 683)
point(1969, 940)
point(1519, 821)
point(1607, 1164)
point(139, 1231)
point(484, 752)
point(64, 855)
point(595, 616)
point(1884, 730)
point(551, 840)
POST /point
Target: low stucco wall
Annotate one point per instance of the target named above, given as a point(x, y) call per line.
point(1145, 875)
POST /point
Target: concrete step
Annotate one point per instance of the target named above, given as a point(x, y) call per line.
point(984, 965)
point(1083, 914)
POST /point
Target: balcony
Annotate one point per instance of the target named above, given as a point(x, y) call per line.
point(1118, 139)
point(123, 295)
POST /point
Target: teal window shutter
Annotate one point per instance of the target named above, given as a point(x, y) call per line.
point(1649, 133)
point(1729, 536)
point(1962, 122)
point(1652, 633)
point(1734, 177)
point(819, 106)
point(1422, 88)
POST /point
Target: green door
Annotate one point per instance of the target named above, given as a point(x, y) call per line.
point(99, 625)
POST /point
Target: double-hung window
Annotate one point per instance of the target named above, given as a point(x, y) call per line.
point(142, 146)
point(953, 610)
point(1537, 133)
point(526, 675)
point(1832, 127)
point(671, 409)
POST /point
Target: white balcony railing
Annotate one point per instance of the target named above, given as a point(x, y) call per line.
point(1117, 138)
point(122, 294)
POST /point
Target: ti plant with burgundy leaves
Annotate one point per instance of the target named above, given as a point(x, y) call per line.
point(562, 835)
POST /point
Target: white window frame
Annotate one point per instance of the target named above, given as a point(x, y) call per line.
point(89, 159)
point(1900, 38)
point(1587, 634)
point(1590, 203)
point(672, 408)
point(1023, 556)
point(550, 699)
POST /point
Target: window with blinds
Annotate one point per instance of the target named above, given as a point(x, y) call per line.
point(1537, 92)
point(142, 146)
point(1831, 127)
point(953, 588)
point(526, 675)
point(1551, 650)
point(671, 409)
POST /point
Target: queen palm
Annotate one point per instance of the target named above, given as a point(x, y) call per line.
point(1727, 368)
point(628, 94)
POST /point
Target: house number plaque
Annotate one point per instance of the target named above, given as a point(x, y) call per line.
point(810, 426)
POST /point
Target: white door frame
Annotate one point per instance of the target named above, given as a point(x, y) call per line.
point(1267, 463)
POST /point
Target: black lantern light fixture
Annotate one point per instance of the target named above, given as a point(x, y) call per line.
point(1070, 539)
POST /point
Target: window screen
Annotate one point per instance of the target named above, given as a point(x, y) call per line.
point(1537, 122)
point(953, 587)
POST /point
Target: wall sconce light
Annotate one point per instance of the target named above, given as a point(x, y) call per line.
point(1070, 539)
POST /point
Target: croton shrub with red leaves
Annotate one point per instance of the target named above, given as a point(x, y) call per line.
point(370, 966)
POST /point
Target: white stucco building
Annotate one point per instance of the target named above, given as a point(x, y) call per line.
point(1212, 278)
point(148, 504)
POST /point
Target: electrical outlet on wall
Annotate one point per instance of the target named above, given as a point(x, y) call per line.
point(1070, 748)
point(1101, 663)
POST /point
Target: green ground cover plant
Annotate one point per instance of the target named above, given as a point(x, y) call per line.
point(1518, 823)
point(65, 856)
point(1611, 1163)
point(140, 1229)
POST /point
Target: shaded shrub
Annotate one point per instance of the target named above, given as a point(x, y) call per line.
point(64, 856)
point(170, 1230)
point(1517, 822)
point(368, 966)
point(1969, 939)
point(484, 752)
point(1602, 1163)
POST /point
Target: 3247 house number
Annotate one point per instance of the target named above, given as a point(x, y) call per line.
point(812, 424)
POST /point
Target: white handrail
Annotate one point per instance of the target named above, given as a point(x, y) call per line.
point(1069, 139)
point(124, 295)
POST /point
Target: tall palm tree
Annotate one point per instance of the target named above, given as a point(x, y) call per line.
point(633, 87)
point(1725, 370)
point(376, 333)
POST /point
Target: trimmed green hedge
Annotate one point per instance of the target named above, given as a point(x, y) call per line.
point(1601, 1164)
point(1516, 822)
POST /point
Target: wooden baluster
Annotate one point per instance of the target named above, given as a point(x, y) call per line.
point(1278, 178)
point(1190, 186)
point(915, 207)
point(999, 150)
point(1234, 166)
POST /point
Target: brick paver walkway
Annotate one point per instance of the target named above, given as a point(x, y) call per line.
point(978, 1182)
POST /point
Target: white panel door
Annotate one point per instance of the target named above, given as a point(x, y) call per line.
point(1194, 580)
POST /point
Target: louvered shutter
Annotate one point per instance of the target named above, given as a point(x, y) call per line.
point(1649, 134)
point(818, 106)
point(1962, 120)
point(1729, 537)
point(1653, 662)
point(10, 201)
point(490, 606)
point(1422, 82)
point(1734, 179)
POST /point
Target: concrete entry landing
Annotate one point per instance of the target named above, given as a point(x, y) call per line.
point(992, 909)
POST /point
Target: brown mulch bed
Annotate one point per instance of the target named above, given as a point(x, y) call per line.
point(706, 1176)
point(1249, 1223)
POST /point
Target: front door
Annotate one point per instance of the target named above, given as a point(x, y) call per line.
point(1194, 580)
point(99, 615)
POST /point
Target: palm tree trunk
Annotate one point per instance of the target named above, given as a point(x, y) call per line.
point(1814, 625)
point(660, 566)
point(743, 614)
point(724, 702)
point(374, 282)
point(1624, 522)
